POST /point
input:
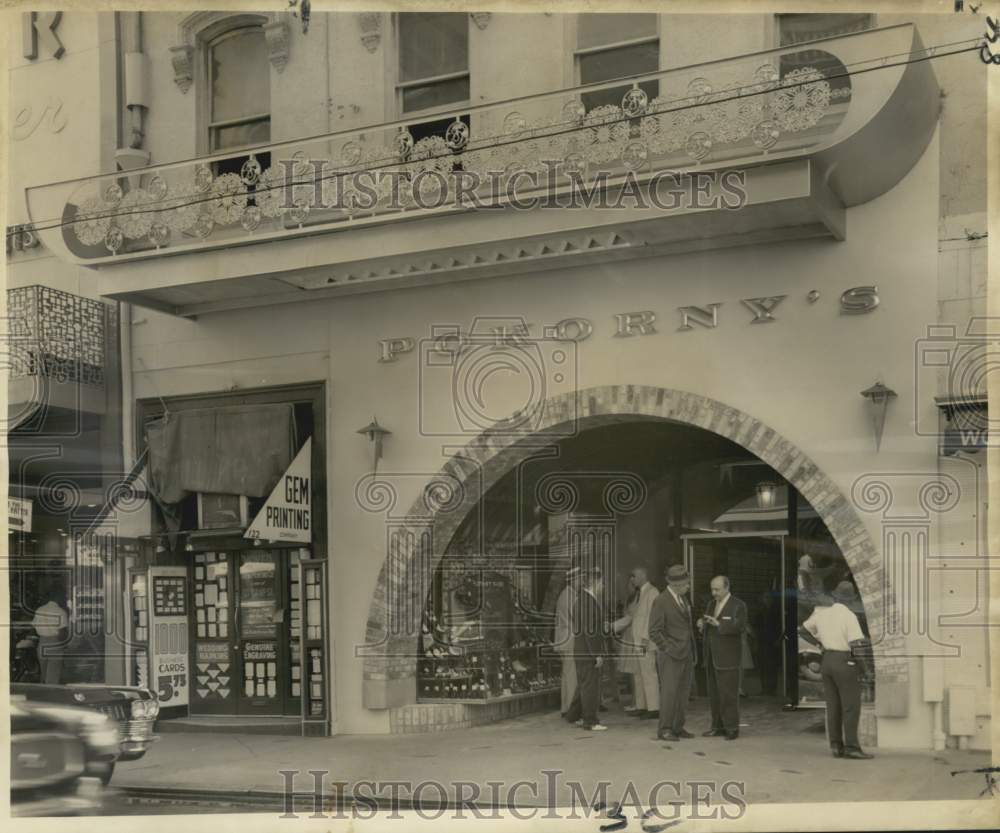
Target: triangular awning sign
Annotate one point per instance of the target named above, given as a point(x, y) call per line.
point(287, 513)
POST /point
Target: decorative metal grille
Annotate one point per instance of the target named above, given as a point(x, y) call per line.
point(57, 335)
point(771, 105)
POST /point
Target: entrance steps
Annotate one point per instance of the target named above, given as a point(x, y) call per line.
point(235, 724)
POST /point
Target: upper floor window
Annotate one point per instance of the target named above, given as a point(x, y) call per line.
point(612, 46)
point(798, 28)
point(433, 60)
point(239, 84)
point(801, 28)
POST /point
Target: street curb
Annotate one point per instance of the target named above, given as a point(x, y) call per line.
point(301, 803)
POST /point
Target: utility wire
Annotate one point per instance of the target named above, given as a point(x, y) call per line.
point(884, 62)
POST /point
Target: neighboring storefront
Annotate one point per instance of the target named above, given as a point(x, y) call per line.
point(488, 395)
point(226, 605)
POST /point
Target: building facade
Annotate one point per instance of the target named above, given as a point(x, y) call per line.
point(374, 426)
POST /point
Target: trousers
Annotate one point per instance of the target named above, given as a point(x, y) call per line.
point(675, 689)
point(646, 682)
point(724, 695)
point(842, 687)
point(50, 659)
point(588, 692)
point(568, 681)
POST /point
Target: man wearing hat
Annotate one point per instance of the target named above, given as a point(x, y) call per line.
point(671, 630)
point(563, 642)
point(838, 631)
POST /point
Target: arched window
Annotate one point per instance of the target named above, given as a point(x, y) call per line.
point(239, 89)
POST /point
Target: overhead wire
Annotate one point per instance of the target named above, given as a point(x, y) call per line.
point(716, 98)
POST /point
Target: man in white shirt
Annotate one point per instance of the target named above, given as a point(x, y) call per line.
point(51, 623)
point(563, 641)
point(837, 629)
point(646, 681)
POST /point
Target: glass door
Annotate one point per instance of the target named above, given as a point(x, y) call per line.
point(754, 563)
point(213, 683)
point(245, 627)
point(260, 628)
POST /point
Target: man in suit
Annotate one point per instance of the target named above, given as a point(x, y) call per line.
point(563, 640)
point(722, 629)
point(589, 649)
point(646, 681)
point(670, 629)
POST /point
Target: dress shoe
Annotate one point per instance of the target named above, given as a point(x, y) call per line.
point(713, 733)
point(666, 736)
point(837, 751)
point(683, 733)
point(602, 708)
point(857, 754)
point(637, 713)
point(651, 715)
point(732, 735)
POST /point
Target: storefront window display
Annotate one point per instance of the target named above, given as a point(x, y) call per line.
point(487, 627)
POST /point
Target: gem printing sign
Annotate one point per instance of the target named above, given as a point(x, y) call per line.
point(287, 513)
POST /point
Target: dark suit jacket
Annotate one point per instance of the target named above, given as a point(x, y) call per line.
point(670, 627)
point(724, 644)
point(589, 629)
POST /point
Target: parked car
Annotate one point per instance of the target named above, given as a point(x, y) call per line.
point(58, 756)
point(133, 710)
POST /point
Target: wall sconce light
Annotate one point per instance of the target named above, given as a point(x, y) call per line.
point(878, 396)
point(766, 494)
point(375, 434)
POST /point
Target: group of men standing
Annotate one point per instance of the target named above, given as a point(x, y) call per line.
point(664, 632)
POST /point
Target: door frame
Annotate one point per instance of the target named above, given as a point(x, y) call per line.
point(781, 535)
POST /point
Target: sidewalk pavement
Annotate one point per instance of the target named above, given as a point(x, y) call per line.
point(793, 765)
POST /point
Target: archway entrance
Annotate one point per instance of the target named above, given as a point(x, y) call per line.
point(428, 533)
point(644, 495)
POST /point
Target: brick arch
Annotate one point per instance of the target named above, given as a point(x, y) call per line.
point(418, 540)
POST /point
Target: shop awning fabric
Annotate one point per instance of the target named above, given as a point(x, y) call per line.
point(240, 450)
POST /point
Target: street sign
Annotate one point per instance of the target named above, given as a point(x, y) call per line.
point(19, 514)
point(287, 514)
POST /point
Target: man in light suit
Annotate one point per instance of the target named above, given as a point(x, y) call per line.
point(646, 681)
point(672, 631)
point(722, 629)
point(563, 641)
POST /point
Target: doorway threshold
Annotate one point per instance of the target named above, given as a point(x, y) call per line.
point(233, 724)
